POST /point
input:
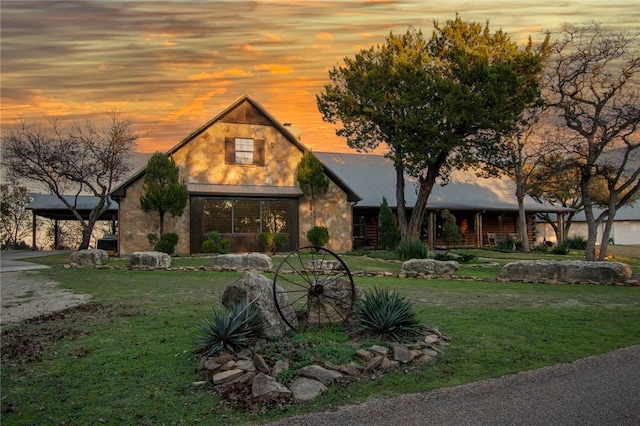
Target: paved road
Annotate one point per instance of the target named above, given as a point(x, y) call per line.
point(599, 390)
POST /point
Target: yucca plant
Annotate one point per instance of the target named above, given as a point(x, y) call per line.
point(232, 329)
point(412, 249)
point(385, 314)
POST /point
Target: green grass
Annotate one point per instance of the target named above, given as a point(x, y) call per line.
point(131, 361)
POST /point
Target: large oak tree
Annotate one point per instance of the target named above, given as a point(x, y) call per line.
point(436, 104)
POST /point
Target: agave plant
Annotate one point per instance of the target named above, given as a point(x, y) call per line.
point(232, 329)
point(386, 314)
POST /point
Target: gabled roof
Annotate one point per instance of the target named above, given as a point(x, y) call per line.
point(230, 113)
point(373, 177)
point(51, 207)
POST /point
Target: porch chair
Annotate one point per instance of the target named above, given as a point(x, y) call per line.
point(491, 237)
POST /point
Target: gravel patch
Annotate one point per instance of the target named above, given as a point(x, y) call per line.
point(27, 294)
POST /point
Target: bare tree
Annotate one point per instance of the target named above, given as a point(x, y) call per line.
point(85, 158)
point(553, 181)
point(14, 219)
point(519, 158)
point(622, 186)
point(593, 85)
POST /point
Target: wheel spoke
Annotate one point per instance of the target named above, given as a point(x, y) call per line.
point(296, 283)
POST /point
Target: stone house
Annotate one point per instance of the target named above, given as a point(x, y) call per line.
point(239, 169)
point(240, 166)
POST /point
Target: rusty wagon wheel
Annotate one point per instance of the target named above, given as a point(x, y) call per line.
point(313, 286)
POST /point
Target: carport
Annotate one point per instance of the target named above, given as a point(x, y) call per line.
point(51, 207)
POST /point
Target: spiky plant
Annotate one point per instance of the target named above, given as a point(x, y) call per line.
point(232, 329)
point(412, 249)
point(386, 314)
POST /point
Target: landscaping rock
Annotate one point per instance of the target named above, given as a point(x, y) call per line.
point(320, 373)
point(401, 353)
point(279, 367)
point(89, 258)
point(257, 262)
point(428, 268)
point(266, 388)
point(324, 266)
point(226, 376)
point(253, 286)
point(261, 364)
point(305, 389)
point(150, 260)
point(568, 271)
point(247, 383)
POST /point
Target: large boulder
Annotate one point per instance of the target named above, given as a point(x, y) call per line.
point(253, 286)
point(257, 262)
point(335, 303)
point(428, 268)
point(150, 260)
point(568, 271)
point(89, 258)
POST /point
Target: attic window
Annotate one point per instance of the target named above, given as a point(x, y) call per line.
point(244, 151)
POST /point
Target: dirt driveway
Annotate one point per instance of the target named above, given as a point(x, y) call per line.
point(28, 294)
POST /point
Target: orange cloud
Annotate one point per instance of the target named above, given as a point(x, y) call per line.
point(272, 38)
point(194, 109)
point(324, 36)
point(245, 48)
point(274, 68)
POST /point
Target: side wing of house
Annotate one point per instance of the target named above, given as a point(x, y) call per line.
point(240, 173)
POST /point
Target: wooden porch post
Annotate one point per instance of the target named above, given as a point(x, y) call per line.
point(431, 220)
point(478, 226)
point(56, 231)
point(34, 226)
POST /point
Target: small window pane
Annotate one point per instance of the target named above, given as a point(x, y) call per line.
point(244, 151)
point(274, 217)
point(246, 216)
point(217, 216)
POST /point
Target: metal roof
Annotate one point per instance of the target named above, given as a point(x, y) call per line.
point(244, 190)
point(373, 177)
point(629, 212)
point(51, 207)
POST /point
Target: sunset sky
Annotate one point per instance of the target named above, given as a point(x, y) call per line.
point(171, 65)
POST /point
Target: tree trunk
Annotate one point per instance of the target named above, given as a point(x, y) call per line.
point(604, 242)
point(161, 214)
point(592, 227)
point(522, 218)
point(417, 215)
point(86, 238)
point(400, 201)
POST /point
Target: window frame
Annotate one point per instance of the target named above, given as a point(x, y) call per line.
point(231, 151)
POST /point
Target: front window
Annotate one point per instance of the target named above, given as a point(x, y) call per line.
point(245, 216)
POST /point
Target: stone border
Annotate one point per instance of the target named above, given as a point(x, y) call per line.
point(248, 372)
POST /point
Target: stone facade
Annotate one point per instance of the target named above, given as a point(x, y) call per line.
point(201, 159)
point(134, 224)
point(333, 211)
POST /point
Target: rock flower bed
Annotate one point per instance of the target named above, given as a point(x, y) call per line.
point(249, 378)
